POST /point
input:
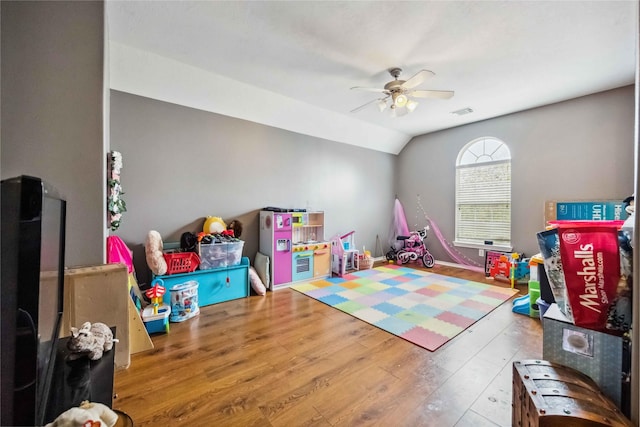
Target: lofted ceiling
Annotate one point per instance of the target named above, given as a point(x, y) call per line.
point(291, 64)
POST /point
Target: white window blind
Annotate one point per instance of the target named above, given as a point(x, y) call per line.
point(483, 194)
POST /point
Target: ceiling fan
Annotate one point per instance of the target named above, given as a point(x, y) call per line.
point(401, 92)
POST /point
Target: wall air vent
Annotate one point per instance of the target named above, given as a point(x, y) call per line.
point(462, 111)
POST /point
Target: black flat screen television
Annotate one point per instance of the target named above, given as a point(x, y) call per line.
point(33, 219)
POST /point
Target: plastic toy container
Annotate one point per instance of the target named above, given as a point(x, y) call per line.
point(184, 301)
point(181, 262)
point(534, 294)
point(217, 255)
point(156, 322)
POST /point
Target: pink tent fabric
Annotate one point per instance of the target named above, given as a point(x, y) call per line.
point(445, 245)
point(399, 226)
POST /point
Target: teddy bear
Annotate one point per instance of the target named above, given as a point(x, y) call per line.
point(87, 414)
point(91, 340)
point(153, 253)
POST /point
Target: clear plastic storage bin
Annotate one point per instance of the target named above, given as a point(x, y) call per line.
point(217, 255)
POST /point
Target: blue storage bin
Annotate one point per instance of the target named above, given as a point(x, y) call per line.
point(215, 285)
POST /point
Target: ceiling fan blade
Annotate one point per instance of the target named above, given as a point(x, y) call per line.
point(367, 104)
point(440, 94)
point(371, 89)
point(418, 78)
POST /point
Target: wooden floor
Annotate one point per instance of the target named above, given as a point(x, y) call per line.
point(288, 360)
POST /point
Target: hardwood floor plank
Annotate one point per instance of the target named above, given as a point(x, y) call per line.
point(388, 403)
point(450, 401)
point(285, 359)
point(494, 402)
point(458, 352)
point(472, 419)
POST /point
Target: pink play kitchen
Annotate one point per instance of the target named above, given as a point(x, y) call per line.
point(295, 244)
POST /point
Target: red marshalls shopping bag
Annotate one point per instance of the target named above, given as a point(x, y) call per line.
point(591, 263)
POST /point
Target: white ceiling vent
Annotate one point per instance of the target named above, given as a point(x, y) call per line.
point(463, 111)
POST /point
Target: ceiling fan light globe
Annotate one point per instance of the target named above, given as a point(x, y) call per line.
point(382, 105)
point(400, 100)
point(411, 105)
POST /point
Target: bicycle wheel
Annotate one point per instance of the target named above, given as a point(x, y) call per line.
point(400, 257)
point(428, 260)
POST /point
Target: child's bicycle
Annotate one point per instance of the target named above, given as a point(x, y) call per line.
point(414, 248)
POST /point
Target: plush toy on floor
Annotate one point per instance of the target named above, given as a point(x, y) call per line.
point(256, 282)
point(153, 253)
point(91, 340)
point(87, 414)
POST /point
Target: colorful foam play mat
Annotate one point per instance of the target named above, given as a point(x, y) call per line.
point(424, 308)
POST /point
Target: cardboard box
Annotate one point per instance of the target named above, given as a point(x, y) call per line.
point(101, 294)
point(603, 357)
point(595, 210)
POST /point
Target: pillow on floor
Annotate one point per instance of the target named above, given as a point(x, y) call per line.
point(256, 283)
point(261, 264)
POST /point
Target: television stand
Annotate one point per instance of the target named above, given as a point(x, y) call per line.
point(77, 380)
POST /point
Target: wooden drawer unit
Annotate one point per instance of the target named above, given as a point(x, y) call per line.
point(546, 394)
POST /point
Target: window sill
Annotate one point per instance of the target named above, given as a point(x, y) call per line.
point(499, 248)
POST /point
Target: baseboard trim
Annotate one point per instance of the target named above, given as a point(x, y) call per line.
point(445, 263)
point(453, 264)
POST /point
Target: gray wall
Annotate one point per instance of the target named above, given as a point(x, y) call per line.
point(578, 149)
point(181, 164)
point(52, 104)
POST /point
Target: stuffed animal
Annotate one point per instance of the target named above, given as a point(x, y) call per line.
point(153, 253)
point(91, 340)
point(214, 225)
point(236, 227)
point(91, 414)
point(188, 242)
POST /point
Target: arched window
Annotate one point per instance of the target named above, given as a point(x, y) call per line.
point(483, 194)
